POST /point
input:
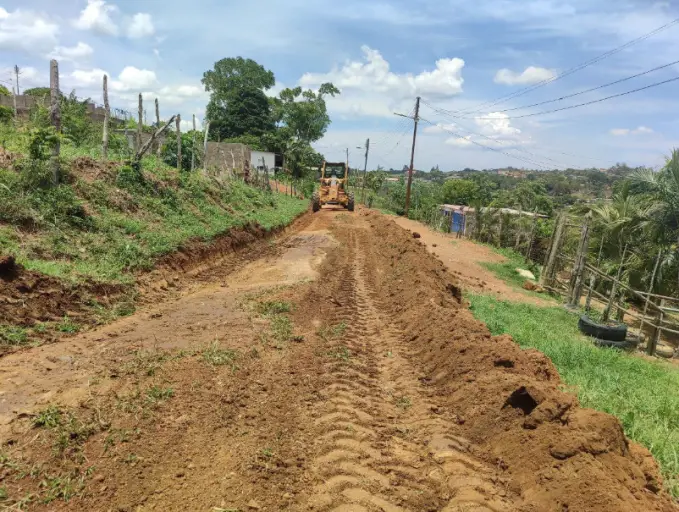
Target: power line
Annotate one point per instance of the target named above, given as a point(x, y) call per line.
point(568, 72)
point(589, 102)
point(592, 89)
point(486, 147)
point(522, 150)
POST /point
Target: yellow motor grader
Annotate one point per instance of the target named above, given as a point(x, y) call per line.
point(334, 179)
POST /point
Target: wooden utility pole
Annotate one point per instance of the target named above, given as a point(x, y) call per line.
point(55, 115)
point(579, 266)
point(178, 121)
point(16, 111)
point(158, 149)
point(107, 118)
point(207, 130)
point(193, 145)
point(546, 276)
point(365, 170)
point(140, 123)
point(412, 155)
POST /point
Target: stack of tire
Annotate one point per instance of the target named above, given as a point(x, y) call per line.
point(610, 336)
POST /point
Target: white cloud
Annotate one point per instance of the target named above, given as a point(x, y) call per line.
point(621, 132)
point(460, 142)
point(140, 26)
point(131, 78)
point(156, 52)
point(96, 16)
point(440, 128)
point(531, 75)
point(27, 31)
point(370, 88)
point(73, 53)
point(81, 78)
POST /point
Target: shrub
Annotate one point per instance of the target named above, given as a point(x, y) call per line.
point(6, 114)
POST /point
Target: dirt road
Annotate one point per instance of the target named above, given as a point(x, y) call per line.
point(371, 388)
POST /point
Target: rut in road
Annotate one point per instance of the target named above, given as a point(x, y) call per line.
point(382, 444)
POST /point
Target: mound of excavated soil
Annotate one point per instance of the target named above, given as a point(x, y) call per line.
point(560, 456)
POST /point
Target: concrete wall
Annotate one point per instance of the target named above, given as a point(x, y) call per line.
point(224, 156)
point(256, 159)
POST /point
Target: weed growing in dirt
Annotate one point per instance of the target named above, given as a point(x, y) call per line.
point(267, 452)
point(216, 356)
point(281, 327)
point(331, 332)
point(274, 307)
point(3, 493)
point(156, 394)
point(49, 418)
point(11, 335)
point(62, 487)
point(403, 402)
point(342, 353)
point(67, 326)
point(643, 394)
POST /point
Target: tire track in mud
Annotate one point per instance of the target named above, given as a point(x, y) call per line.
point(382, 444)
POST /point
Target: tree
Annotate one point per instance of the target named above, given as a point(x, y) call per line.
point(169, 151)
point(4, 91)
point(244, 112)
point(303, 113)
point(463, 192)
point(238, 105)
point(38, 92)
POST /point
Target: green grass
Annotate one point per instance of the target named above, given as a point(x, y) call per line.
point(643, 394)
point(107, 228)
point(507, 269)
point(11, 335)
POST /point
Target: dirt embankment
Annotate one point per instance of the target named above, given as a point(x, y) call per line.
point(509, 401)
point(29, 298)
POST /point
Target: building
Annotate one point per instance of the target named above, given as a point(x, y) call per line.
point(262, 159)
point(462, 217)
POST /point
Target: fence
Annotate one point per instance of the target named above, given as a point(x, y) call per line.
point(219, 159)
point(573, 268)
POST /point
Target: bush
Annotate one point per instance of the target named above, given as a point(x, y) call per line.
point(169, 151)
point(6, 114)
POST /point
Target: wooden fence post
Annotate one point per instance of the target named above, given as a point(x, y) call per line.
point(140, 124)
point(531, 239)
point(653, 342)
point(579, 266)
point(193, 145)
point(548, 274)
point(650, 290)
point(178, 121)
point(207, 130)
point(159, 148)
point(55, 115)
point(107, 119)
point(614, 288)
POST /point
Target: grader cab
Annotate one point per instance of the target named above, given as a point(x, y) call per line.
point(334, 181)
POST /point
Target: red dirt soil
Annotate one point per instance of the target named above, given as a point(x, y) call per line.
point(384, 395)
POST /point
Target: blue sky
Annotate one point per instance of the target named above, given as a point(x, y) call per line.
point(456, 54)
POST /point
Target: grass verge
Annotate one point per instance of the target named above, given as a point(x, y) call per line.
point(506, 270)
point(643, 394)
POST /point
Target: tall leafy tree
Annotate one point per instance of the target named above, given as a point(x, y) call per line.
point(238, 105)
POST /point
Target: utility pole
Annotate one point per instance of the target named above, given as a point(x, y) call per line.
point(365, 169)
point(16, 73)
point(412, 151)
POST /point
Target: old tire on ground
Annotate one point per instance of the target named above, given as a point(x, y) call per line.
point(316, 202)
point(620, 345)
point(601, 331)
point(350, 204)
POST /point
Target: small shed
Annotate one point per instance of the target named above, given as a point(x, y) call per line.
point(262, 159)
